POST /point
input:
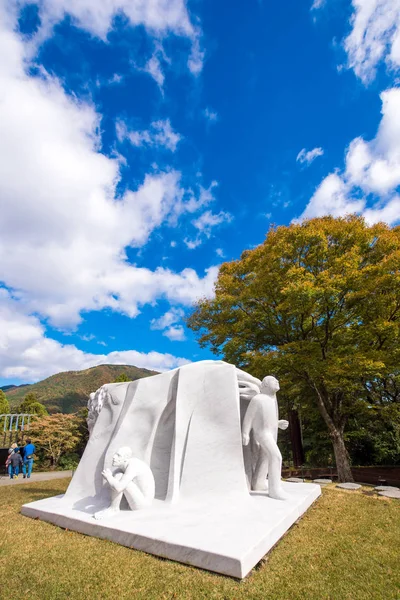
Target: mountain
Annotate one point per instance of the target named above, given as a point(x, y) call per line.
point(68, 392)
point(5, 388)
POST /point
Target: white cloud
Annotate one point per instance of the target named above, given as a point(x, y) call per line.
point(160, 18)
point(210, 115)
point(153, 68)
point(157, 16)
point(196, 58)
point(318, 4)
point(375, 166)
point(204, 225)
point(88, 338)
point(169, 323)
point(175, 333)
point(160, 134)
point(63, 232)
point(371, 174)
point(219, 252)
point(375, 37)
point(172, 316)
point(155, 64)
point(331, 197)
point(193, 201)
point(28, 354)
point(192, 244)
point(389, 212)
point(308, 157)
point(208, 220)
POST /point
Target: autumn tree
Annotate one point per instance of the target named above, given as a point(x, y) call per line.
point(56, 435)
point(31, 405)
point(318, 305)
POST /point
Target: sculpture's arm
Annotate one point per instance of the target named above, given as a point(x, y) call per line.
point(247, 390)
point(248, 421)
point(247, 378)
point(120, 485)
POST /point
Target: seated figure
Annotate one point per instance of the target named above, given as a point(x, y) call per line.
point(134, 480)
point(262, 417)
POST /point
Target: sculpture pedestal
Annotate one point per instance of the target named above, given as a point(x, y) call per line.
point(228, 535)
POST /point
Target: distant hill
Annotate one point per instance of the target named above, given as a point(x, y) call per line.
point(68, 392)
point(5, 388)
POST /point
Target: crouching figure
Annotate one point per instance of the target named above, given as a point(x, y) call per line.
point(134, 480)
point(262, 417)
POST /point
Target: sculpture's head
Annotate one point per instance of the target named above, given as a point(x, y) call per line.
point(121, 456)
point(269, 385)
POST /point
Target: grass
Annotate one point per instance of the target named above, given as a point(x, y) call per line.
point(346, 547)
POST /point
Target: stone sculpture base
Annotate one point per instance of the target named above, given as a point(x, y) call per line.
point(228, 536)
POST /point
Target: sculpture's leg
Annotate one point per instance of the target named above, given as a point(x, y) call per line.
point(259, 482)
point(140, 492)
point(135, 497)
point(260, 466)
point(270, 447)
point(116, 498)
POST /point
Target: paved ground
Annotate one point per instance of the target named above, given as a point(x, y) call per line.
point(5, 480)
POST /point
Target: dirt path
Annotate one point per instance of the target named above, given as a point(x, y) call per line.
point(5, 479)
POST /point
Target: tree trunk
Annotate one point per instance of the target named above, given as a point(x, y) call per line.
point(295, 438)
point(341, 456)
point(336, 435)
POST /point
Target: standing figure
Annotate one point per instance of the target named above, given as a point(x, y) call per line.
point(134, 480)
point(28, 452)
point(8, 462)
point(14, 462)
point(262, 417)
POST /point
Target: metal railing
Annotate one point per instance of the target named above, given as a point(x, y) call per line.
point(14, 425)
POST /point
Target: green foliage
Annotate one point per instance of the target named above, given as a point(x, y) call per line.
point(373, 435)
point(69, 462)
point(122, 377)
point(318, 305)
point(32, 406)
point(30, 398)
point(4, 405)
point(69, 391)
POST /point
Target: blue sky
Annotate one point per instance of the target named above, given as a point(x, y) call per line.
point(144, 143)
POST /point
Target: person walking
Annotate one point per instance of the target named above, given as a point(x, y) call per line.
point(15, 461)
point(28, 458)
point(8, 462)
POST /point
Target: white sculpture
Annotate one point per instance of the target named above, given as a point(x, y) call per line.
point(134, 480)
point(262, 418)
point(249, 386)
point(95, 404)
point(177, 437)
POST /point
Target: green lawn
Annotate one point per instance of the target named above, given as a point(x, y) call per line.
point(346, 547)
